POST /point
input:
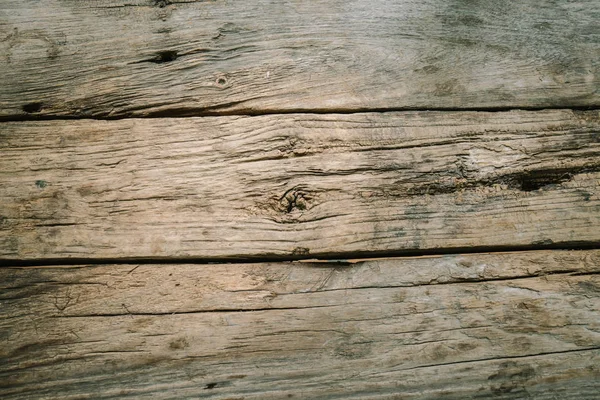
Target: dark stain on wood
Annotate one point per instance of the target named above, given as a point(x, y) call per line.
point(511, 377)
point(32, 108)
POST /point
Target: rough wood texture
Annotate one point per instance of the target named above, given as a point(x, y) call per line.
point(526, 326)
point(138, 197)
point(140, 57)
point(298, 185)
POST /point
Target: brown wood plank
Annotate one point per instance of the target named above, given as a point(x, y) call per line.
point(504, 325)
point(298, 185)
point(111, 58)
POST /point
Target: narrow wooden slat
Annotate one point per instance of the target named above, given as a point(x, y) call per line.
point(298, 185)
point(147, 57)
point(507, 326)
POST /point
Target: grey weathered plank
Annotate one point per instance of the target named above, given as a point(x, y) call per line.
point(298, 185)
point(507, 326)
point(141, 57)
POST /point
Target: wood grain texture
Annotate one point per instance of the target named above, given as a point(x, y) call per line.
point(505, 325)
point(298, 185)
point(114, 58)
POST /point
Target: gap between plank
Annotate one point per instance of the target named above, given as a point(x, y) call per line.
point(221, 111)
point(339, 259)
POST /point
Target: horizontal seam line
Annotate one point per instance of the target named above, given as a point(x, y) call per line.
point(327, 259)
point(214, 112)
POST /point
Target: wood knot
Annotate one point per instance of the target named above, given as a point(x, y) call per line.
point(221, 81)
point(294, 199)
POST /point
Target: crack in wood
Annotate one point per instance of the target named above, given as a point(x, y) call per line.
point(301, 255)
point(223, 110)
point(593, 348)
point(526, 181)
point(213, 311)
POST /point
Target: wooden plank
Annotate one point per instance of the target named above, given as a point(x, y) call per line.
point(298, 186)
point(110, 58)
point(507, 326)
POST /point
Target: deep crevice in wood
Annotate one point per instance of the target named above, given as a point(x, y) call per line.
point(163, 57)
point(526, 181)
point(31, 108)
point(339, 259)
point(220, 111)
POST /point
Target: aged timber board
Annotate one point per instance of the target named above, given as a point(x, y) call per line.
point(299, 185)
point(114, 58)
point(501, 326)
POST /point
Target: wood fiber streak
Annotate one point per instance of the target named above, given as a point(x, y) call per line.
point(298, 185)
point(118, 58)
point(505, 326)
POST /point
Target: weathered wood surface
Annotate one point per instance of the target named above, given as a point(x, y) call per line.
point(298, 185)
point(506, 326)
point(111, 58)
